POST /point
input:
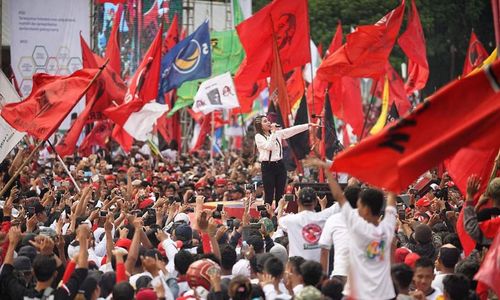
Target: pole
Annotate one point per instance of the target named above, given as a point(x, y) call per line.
point(212, 144)
point(372, 100)
point(19, 170)
point(64, 165)
point(26, 161)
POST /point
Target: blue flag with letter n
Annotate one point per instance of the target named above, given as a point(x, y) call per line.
point(190, 59)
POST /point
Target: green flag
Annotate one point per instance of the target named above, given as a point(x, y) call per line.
point(227, 55)
point(237, 13)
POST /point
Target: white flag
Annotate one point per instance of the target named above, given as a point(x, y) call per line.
point(216, 93)
point(9, 137)
point(140, 123)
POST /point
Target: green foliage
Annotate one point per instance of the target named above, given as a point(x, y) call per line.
point(447, 27)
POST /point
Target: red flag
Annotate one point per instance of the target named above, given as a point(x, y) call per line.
point(366, 51)
point(109, 89)
point(466, 241)
point(150, 21)
point(412, 41)
point(289, 20)
point(476, 54)
point(397, 93)
point(320, 49)
point(489, 272)
point(143, 86)
point(247, 94)
point(397, 155)
point(51, 99)
point(336, 41)
point(346, 102)
point(113, 46)
point(172, 37)
point(99, 135)
point(295, 86)
point(277, 87)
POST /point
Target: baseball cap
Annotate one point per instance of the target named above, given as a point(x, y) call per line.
point(27, 251)
point(423, 202)
point(146, 294)
point(22, 264)
point(411, 259)
point(182, 217)
point(123, 243)
point(400, 254)
point(308, 293)
point(184, 232)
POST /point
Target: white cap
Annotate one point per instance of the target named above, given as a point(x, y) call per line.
point(182, 217)
point(242, 267)
point(434, 186)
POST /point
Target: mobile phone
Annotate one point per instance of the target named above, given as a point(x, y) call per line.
point(87, 174)
point(160, 164)
point(216, 215)
point(230, 224)
point(401, 211)
point(249, 187)
point(220, 207)
point(171, 199)
point(289, 197)
point(103, 213)
point(261, 207)
point(109, 167)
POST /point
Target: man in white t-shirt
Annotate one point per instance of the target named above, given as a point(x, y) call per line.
point(370, 240)
point(422, 280)
point(304, 228)
point(335, 233)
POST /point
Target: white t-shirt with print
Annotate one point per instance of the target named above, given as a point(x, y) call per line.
point(335, 233)
point(304, 230)
point(370, 255)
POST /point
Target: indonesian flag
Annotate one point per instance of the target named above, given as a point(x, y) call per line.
point(401, 152)
point(216, 93)
point(139, 112)
point(50, 101)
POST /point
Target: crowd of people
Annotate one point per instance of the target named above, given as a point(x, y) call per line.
point(139, 226)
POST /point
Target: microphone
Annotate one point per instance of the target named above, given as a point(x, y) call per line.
point(316, 116)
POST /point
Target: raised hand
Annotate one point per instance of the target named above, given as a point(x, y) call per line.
point(473, 184)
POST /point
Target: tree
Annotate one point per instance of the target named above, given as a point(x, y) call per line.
point(447, 26)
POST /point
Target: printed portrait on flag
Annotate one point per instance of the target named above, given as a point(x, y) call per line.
point(214, 97)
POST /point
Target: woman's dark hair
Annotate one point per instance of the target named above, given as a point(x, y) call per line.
point(257, 123)
point(240, 288)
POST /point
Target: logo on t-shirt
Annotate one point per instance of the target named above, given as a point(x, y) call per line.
point(375, 250)
point(311, 234)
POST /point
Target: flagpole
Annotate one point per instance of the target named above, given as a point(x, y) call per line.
point(372, 100)
point(26, 161)
point(64, 165)
point(212, 144)
point(19, 170)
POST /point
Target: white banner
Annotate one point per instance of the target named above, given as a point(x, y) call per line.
point(216, 93)
point(9, 137)
point(45, 38)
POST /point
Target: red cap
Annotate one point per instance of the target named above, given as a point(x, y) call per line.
point(123, 243)
point(109, 177)
point(95, 185)
point(162, 250)
point(122, 169)
point(200, 184)
point(411, 259)
point(220, 181)
point(400, 254)
point(145, 203)
point(423, 202)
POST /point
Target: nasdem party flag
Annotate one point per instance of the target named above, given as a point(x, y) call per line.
point(190, 59)
point(216, 93)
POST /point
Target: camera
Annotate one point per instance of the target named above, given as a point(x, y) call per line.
point(102, 213)
point(289, 197)
point(220, 207)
